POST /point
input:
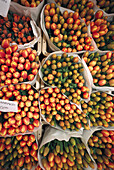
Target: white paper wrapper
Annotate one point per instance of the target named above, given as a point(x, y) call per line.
point(87, 134)
point(85, 73)
point(4, 7)
point(51, 1)
point(103, 88)
point(34, 12)
point(58, 127)
point(27, 132)
point(51, 45)
point(110, 18)
point(36, 30)
point(51, 134)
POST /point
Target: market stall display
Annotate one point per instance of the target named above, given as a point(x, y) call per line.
point(18, 152)
point(57, 113)
point(27, 118)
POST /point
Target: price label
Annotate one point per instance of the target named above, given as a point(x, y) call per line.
point(4, 7)
point(8, 106)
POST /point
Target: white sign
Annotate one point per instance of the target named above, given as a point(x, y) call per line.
point(8, 106)
point(4, 7)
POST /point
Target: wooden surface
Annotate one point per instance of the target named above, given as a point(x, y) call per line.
point(38, 85)
point(44, 46)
